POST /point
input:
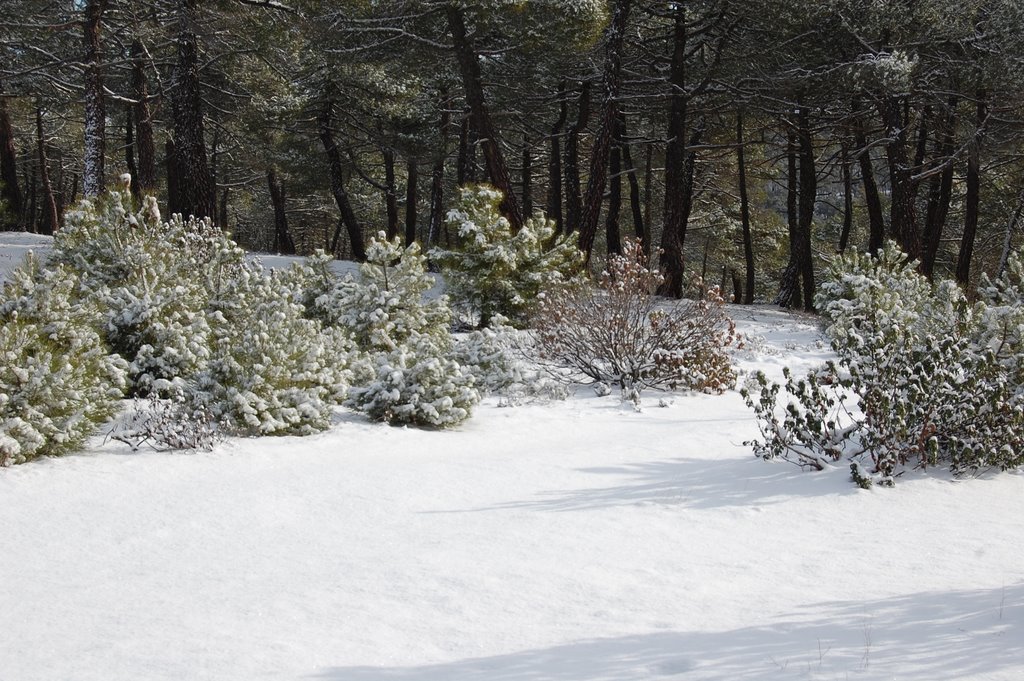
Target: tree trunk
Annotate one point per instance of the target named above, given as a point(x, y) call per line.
point(648, 198)
point(10, 191)
point(466, 170)
point(195, 184)
point(871, 196)
point(390, 192)
point(526, 185)
point(613, 233)
point(612, 82)
point(748, 240)
point(573, 197)
point(554, 202)
point(437, 176)
point(1011, 229)
point(847, 171)
point(678, 191)
point(283, 243)
point(640, 229)
point(808, 201)
point(144, 145)
point(940, 192)
point(902, 212)
point(789, 286)
point(222, 211)
point(48, 219)
point(348, 215)
point(411, 179)
point(129, 155)
point(95, 114)
point(472, 83)
point(973, 200)
point(31, 224)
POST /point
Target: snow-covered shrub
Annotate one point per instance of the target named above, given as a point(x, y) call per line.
point(151, 279)
point(923, 376)
point(401, 367)
point(619, 332)
point(58, 382)
point(493, 271)
point(271, 370)
point(416, 383)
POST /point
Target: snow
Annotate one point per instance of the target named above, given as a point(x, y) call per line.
point(574, 540)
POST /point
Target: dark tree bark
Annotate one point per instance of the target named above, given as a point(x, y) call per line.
point(748, 240)
point(129, 155)
point(612, 83)
point(173, 199)
point(222, 211)
point(573, 195)
point(902, 210)
point(48, 218)
point(808, 201)
point(973, 199)
point(466, 168)
point(940, 192)
point(789, 285)
point(144, 144)
point(93, 180)
point(437, 176)
point(872, 198)
point(648, 197)
point(31, 223)
point(195, 183)
point(412, 175)
point(847, 172)
point(283, 243)
point(348, 216)
point(390, 192)
point(526, 184)
point(554, 198)
point(640, 229)
point(490, 142)
point(10, 190)
point(612, 231)
point(678, 164)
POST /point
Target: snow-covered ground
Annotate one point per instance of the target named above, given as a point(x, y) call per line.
point(570, 541)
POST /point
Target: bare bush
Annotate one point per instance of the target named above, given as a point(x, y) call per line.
point(619, 332)
point(166, 424)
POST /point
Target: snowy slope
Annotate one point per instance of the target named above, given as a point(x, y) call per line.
point(571, 541)
point(14, 246)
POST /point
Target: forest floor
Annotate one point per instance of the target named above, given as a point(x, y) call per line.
point(575, 540)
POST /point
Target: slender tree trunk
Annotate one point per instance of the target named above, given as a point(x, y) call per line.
point(10, 191)
point(49, 219)
point(902, 212)
point(872, 198)
point(648, 198)
point(940, 192)
point(466, 166)
point(31, 222)
point(612, 83)
point(847, 172)
point(59, 195)
point(195, 184)
point(678, 192)
point(412, 175)
point(808, 201)
point(95, 114)
point(437, 176)
point(129, 155)
point(222, 211)
point(748, 240)
point(390, 192)
point(1011, 229)
point(348, 215)
point(144, 144)
point(283, 243)
point(527, 179)
point(973, 200)
point(554, 202)
point(789, 286)
point(472, 83)
point(613, 233)
point(573, 196)
point(640, 229)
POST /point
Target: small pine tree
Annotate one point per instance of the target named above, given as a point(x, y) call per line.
point(492, 271)
point(57, 381)
point(401, 366)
